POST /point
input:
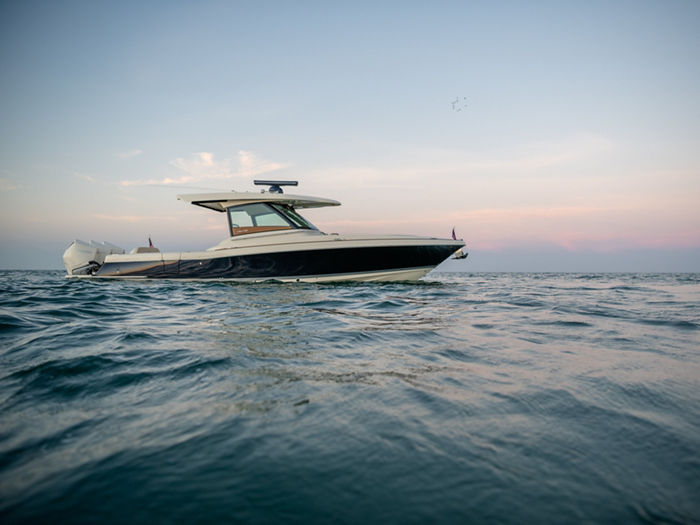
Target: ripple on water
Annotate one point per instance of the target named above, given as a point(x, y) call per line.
point(504, 398)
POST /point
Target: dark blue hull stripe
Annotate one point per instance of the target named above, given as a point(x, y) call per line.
point(286, 264)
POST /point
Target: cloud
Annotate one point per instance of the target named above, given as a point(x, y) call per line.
point(84, 177)
point(413, 168)
point(167, 181)
point(502, 222)
point(250, 165)
point(129, 154)
point(202, 167)
point(609, 226)
point(517, 215)
point(544, 154)
point(7, 185)
point(132, 218)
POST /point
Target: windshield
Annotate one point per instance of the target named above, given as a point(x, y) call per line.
point(292, 215)
point(262, 217)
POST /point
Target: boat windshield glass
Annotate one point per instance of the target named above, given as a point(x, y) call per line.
point(293, 216)
point(262, 217)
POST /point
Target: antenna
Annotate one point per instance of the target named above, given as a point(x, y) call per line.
point(276, 185)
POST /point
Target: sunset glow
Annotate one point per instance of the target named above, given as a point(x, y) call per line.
point(577, 126)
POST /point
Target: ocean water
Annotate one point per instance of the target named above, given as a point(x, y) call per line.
point(465, 398)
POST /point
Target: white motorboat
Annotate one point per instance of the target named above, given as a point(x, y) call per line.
point(269, 240)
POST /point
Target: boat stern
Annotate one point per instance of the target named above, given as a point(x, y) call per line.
point(85, 258)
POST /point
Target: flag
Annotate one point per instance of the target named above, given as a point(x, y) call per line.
point(150, 242)
point(454, 237)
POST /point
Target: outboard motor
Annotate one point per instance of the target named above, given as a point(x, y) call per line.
point(85, 258)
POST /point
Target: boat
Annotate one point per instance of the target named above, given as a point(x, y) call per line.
point(268, 239)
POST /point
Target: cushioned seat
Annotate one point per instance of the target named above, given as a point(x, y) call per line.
point(242, 230)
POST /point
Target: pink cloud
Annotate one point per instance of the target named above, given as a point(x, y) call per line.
point(574, 228)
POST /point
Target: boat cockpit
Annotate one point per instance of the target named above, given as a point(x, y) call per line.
point(264, 217)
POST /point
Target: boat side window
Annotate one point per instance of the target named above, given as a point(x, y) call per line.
point(254, 218)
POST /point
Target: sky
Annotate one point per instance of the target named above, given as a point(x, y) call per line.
point(554, 136)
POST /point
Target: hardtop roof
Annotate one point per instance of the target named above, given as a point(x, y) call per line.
point(222, 200)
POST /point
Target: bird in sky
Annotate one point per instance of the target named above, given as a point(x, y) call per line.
point(456, 106)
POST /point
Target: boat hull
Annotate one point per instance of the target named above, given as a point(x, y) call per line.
point(371, 263)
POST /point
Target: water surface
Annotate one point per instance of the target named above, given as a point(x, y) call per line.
point(498, 398)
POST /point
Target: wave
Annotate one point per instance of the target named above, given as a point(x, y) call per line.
point(474, 397)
